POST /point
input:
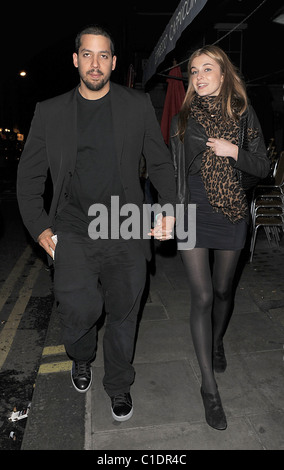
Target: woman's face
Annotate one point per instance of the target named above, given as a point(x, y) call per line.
point(206, 76)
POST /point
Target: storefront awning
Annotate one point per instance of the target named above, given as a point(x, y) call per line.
point(185, 13)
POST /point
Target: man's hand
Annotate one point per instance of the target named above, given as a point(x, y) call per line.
point(163, 228)
point(46, 242)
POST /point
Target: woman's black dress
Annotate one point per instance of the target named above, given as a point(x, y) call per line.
point(213, 229)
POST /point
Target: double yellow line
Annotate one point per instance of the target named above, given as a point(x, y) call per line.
point(53, 367)
point(11, 325)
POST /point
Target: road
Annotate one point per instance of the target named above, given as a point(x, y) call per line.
point(26, 302)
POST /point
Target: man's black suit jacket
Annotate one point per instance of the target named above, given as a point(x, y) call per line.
point(52, 146)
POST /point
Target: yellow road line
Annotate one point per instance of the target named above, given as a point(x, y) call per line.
point(9, 331)
point(53, 350)
point(10, 282)
point(53, 367)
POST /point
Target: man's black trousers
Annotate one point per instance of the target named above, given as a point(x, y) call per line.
point(92, 275)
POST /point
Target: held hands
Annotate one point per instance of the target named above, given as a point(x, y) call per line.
point(46, 242)
point(223, 148)
point(163, 228)
point(162, 231)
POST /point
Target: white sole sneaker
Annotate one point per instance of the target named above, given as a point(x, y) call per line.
point(74, 385)
point(122, 418)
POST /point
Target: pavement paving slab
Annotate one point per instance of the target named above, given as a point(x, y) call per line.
point(168, 411)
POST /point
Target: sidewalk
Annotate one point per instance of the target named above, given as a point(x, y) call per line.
point(168, 410)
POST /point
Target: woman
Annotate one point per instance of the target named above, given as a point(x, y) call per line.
point(206, 155)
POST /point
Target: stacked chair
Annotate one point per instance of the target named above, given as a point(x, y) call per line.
point(267, 207)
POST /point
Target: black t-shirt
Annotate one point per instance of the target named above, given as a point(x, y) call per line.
point(96, 177)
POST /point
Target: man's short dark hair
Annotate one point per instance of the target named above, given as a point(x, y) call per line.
point(97, 31)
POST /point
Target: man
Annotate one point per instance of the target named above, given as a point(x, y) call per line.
point(91, 139)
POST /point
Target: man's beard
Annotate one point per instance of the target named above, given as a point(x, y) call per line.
point(95, 86)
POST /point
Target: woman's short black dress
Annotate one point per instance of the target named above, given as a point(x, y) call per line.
point(213, 229)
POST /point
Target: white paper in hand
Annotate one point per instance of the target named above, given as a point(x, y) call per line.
point(54, 239)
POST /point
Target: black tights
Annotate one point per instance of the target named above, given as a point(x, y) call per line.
point(211, 301)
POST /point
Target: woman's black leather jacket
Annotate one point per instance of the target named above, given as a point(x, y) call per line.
point(187, 155)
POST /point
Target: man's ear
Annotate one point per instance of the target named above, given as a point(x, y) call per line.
point(113, 62)
point(75, 60)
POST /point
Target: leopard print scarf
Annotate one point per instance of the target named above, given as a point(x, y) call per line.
point(224, 192)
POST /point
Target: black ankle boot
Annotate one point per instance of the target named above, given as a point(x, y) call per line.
point(214, 412)
point(219, 359)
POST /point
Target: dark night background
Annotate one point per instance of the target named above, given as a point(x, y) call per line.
point(38, 37)
point(40, 40)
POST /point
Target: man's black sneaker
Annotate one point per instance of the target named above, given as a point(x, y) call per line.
point(81, 376)
point(121, 407)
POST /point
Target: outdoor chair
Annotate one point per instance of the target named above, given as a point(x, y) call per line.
point(267, 208)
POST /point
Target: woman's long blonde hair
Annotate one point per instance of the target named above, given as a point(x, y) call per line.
point(232, 95)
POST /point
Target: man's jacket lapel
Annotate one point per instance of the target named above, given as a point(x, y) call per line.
point(119, 117)
point(69, 131)
point(67, 120)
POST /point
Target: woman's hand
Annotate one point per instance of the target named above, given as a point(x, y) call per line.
point(164, 228)
point(223, 148)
